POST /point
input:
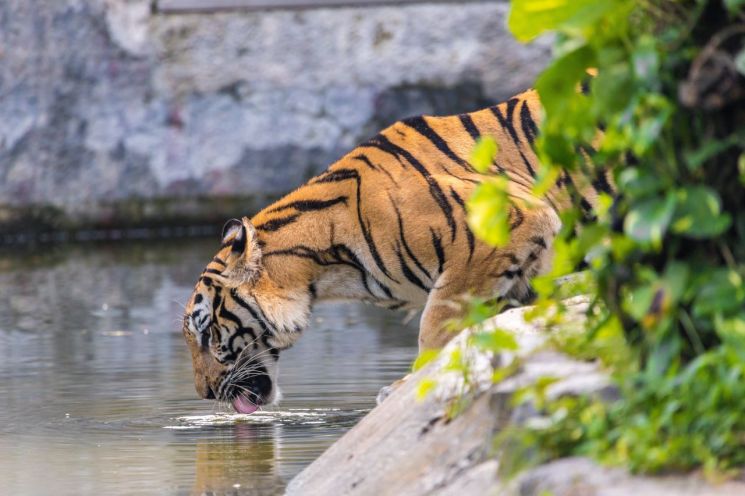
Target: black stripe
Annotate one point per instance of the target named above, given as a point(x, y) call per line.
point(240, 301)
point(204, 339)
point(407, 272)
point(364, 159)
point(530, 130)
point(227, 314)
point(264, 320)
point(311, 205)
point(518, 220)
point(511, 274)
point(239, 242)
point(403, 240)
point(212, 271)
point(231, 342)
point(539, 241)
point(333, 176)
point(577, 198)
point(382, 143)
point(344, 174)
point(337, 253)
point(437, 244)
point(218, 260)
point(341, 254)
point(420, 125)
point(277, 224)
point(469, 234)
point(470, 126)
point(600, 183)
point(511, 130)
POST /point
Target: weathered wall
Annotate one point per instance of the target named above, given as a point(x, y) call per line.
point(113, 113)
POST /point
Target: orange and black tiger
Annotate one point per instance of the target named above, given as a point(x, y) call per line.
point(385, 224)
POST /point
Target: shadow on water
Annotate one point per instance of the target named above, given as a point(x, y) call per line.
point(97, 393)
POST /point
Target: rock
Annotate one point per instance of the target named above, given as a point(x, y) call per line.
point(412, 447)
point(583, 477)
point(407, 446)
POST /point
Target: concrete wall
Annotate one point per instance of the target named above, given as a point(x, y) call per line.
point(114, 114)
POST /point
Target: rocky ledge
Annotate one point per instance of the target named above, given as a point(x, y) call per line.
point(411, 446)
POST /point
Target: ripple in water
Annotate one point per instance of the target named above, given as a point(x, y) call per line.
point(97, 389)
point(297, 416)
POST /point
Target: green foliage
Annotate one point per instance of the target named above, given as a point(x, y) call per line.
point(489, 211)
point(678, 419)
point(666, 253)
point(483, 153)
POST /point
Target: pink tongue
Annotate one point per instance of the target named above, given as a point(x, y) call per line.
point(243, 405)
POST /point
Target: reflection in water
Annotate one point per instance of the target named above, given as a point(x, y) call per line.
point(97, 393)
point(249, 452)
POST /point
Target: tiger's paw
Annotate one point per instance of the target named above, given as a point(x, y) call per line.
point(386, 391)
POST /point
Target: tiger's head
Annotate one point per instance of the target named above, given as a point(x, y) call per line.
point(237, 321)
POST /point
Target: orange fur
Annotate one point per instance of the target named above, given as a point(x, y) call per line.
point(385, 224)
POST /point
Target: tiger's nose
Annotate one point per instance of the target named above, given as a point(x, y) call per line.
point(203, 387)
point(210, 393)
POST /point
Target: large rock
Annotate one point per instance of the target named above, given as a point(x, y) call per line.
point(112, 113)
point(407, 446)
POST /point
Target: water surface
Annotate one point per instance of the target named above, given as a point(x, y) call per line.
point(96, 395)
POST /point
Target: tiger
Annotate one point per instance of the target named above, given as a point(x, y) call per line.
point(386, 224)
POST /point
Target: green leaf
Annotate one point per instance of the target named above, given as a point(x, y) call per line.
point(675, 280)
point(424, 358)
point(425, 386)
point(638, 182)
point(547, 177)
point(645, 59)
point(711, 148)
point(557, 85)
point(639, 300)
point(612, 88)
point(495, 340)
point(698, 213)
point(648, 220)
point(732, 331)
point(489, 211)
point(723, 292)
point(483, 153)
point(656, 111)
point(734, 6)
point(530, 18)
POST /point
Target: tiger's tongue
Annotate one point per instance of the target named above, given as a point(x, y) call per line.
point(243, 405)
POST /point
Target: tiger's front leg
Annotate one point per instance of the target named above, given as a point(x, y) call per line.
point(433, 331)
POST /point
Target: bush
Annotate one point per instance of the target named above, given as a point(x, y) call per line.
point(666, 254)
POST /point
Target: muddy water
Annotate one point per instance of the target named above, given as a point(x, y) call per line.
point(95, 381)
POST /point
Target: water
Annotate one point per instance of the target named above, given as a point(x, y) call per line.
point(96, 393)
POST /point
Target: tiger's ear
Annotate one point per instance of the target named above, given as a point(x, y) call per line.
point(243, 264)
